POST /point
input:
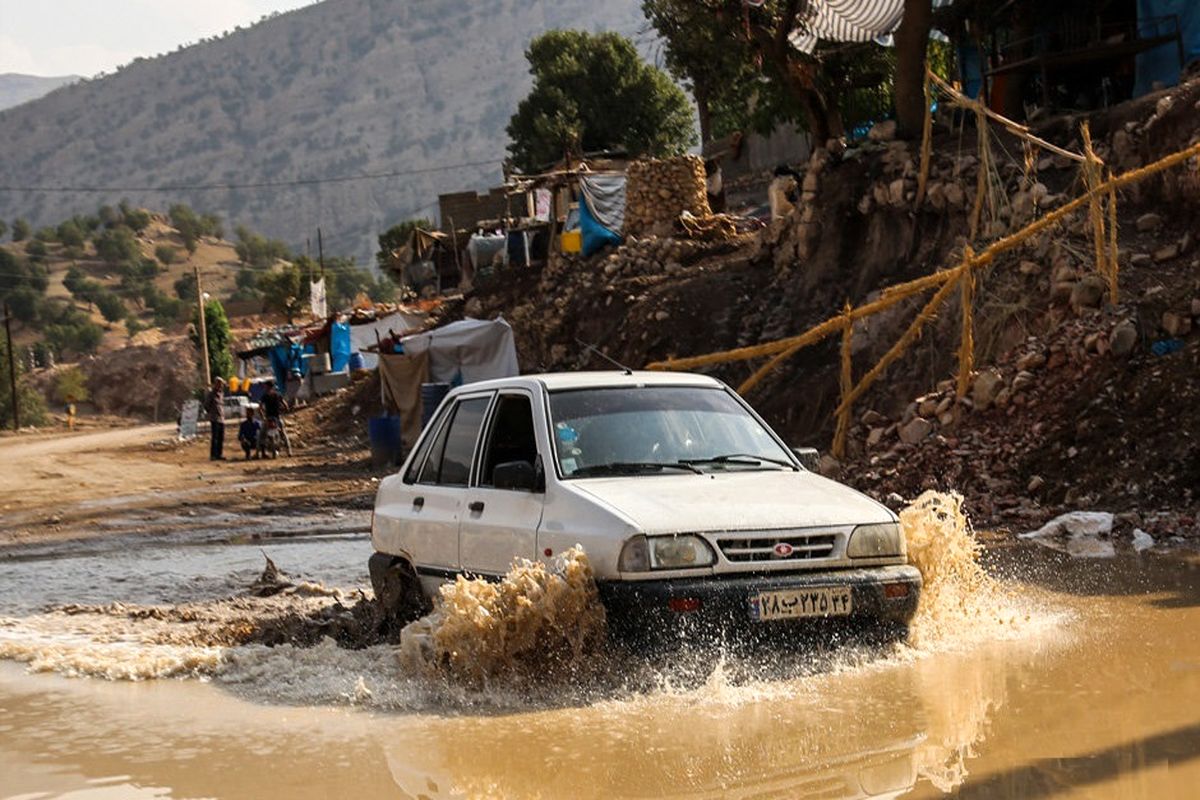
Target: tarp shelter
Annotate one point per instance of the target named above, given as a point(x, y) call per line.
point(400, 379)
point(1162, 64)
point(368, 334)
point(339, 346)
point(602, 212)
point(467, 351)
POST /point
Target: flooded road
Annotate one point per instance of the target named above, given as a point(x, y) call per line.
point(1092, 691)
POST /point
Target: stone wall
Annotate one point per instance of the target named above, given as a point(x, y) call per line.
point(657, 191)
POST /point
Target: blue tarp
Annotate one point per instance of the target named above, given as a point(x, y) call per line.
point(595, 236)
point(287, 357)
point(1162, 63)
point(339, 346)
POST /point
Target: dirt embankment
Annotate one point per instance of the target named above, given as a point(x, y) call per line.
point(1081, 400)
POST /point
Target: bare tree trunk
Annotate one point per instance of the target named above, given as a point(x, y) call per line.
point(912, 40)
point(704, 112)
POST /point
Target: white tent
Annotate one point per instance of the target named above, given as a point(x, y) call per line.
point(849, 21)
point(467, 351)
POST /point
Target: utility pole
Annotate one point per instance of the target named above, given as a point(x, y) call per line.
point(12, 367)
point(203, 327)
point(321, 253)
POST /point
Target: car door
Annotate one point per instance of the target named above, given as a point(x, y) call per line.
point(499, 525)
point(431, 504)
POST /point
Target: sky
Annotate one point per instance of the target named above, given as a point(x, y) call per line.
point(84, 37)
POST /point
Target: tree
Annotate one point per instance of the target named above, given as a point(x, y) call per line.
point(20, 230)
point(185, 287)
point(73, 332)
point(593, 92)
point(29, 402)
point(136, 219)
point(110, 305)
point(284, 290)
point(71, 234)
point(259, 251)
point(192, 226)
point(912, 42)
point(70, 386)
point(117, 245)
point(216, 325)
point(166, 254)
point(396, 237)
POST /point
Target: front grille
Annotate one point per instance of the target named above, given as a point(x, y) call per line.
point(761, 546)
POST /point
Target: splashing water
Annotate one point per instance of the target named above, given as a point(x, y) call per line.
point(960, 603)
point(541, 621)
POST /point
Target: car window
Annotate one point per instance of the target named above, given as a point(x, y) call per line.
point(426, 445)
point(433, 463)
point(463, 432)
point(666, 425)
point(511, 436)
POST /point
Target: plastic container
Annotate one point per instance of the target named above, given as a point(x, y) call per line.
point(356, 362)
point(572, 241)
point(387, 447)
point(432, 394)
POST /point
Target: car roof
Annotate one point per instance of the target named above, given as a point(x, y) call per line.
point(557, 381)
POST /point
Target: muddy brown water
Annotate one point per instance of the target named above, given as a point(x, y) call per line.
point(1093, 691)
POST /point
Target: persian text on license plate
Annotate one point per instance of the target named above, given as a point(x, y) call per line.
point(821, 601)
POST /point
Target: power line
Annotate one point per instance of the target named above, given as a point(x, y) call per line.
point(258, 185)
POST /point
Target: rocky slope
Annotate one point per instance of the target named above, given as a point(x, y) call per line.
point(341, 87)
point(16, 88)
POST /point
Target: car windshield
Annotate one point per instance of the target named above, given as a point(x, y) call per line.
point(629, 430)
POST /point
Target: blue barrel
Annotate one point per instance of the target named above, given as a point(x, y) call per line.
point(387, 447)
point(432, 394)
point(356, 361)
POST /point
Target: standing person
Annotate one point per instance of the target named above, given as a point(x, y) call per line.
point(214, 403)
point(249, 432)
point(273, 406)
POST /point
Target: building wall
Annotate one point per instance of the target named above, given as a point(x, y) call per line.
point(466, 209)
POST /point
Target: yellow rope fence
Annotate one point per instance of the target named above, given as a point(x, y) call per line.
point(946, 281)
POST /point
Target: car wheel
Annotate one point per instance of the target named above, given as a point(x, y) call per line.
point(399, 595)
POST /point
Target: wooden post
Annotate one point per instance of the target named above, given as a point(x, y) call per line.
point(321, 255)
point(12, 367)
point(842, 429)
point(1113, 254)
point(926, 147)
point(966, 347)
point(1092, 179)
point(203, 328)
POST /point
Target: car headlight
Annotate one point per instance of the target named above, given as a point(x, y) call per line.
point(876, 541)
point(642, 553)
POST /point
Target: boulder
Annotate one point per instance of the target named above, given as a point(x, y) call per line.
point(915, 430)
point(1141, 260)
point(883, 131)
point(1031, 361)
point(1166, 253)
point(1148, 223)
point(987, 385)
point(1123, 338)
point(1176, 323)
point(1088, 293)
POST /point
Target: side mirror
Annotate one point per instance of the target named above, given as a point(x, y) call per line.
point(809, 458)
point(518, 475)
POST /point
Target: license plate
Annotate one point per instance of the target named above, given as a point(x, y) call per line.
point(821, 601)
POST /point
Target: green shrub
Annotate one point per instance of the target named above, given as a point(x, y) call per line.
point(166, 254)
point(70, 386)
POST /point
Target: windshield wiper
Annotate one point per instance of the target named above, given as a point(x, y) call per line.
point(631, 467)
point(743, 459)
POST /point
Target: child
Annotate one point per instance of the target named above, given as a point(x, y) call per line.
point(248, 433)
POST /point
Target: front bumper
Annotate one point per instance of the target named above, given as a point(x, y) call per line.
point(642, 609)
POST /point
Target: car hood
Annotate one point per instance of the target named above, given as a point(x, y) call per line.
point(730, 501)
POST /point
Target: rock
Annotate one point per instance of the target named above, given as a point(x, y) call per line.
point(1029, 361)
point(828, 465)
point(1166, 253)
point(1026, 268)
point(895, 192)
point(955, 195)
point(1123, 338)
point(872, 417)
point(1061, 291)
point(873, 438)
point(945, 405)
point(1141, 539)
point(1088, 293)
point(987, 385)
point(1176, 324)
point(883, 131)
point(1148, 223)
point(916, 430)
point(1081, 534)
point(1035, 483)
point(1023, 381)
point(927, 406)
point(1141, 260)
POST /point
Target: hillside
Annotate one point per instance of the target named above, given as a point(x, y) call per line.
point(16, 89)
point(342, 87)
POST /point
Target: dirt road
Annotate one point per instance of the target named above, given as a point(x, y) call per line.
point(141, 479)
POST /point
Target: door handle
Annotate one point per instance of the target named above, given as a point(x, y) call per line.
point(418, 503)
point(476, 507)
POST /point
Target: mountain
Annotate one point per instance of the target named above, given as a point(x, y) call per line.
point(16, 88)
point(338, 88)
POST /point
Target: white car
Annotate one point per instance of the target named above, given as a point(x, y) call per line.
point(691, 510)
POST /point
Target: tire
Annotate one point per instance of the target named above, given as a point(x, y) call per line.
point(398, 593)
